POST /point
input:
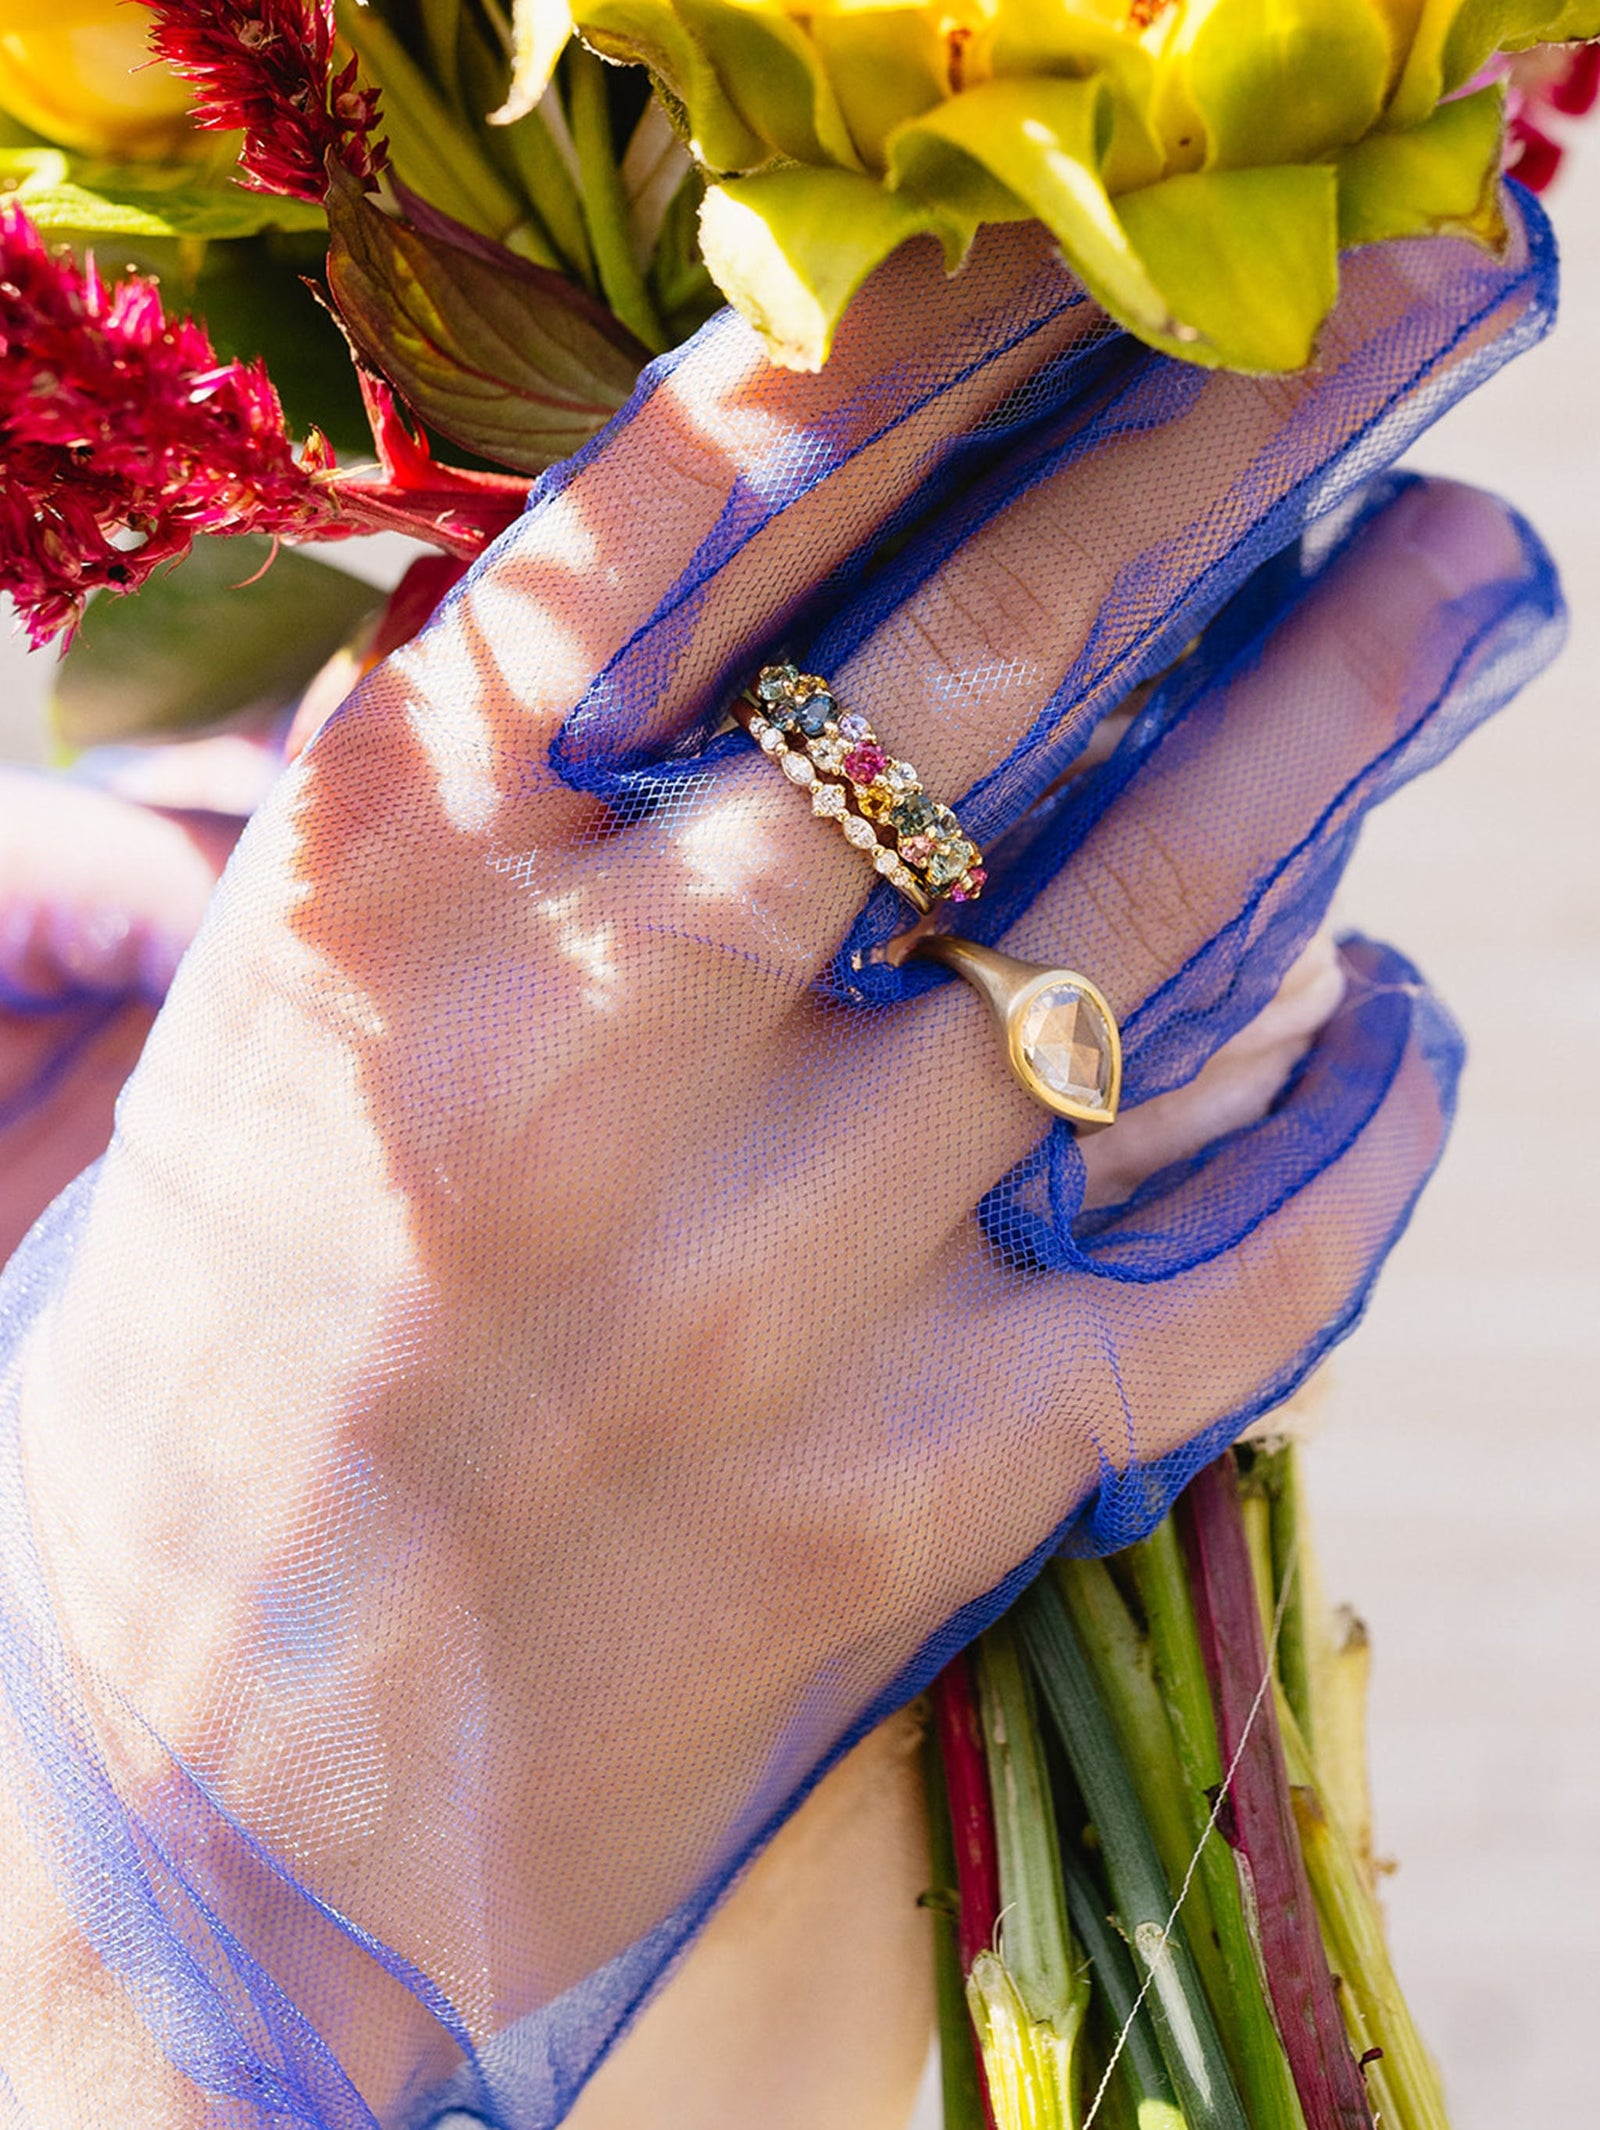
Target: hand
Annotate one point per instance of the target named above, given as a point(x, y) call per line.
point(98, 899)
point(530, 1382)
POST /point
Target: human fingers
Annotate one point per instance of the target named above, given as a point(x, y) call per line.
point(98, 898)
point(722, 474)
point(1171, 1321)
point(1203, 856)
point(807, 1999)
point(987, 651)
point(1235, 1086)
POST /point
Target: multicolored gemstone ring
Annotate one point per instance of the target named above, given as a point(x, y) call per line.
point(1059, 1034)
point(879, 803)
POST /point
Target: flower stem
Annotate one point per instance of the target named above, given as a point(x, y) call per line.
point(1403, 2083)
point(960, 2079)
point(433, 154)
point(1139, 2066)
point(1184, 2026)
point(1036, 1940)
point(1124, 1675)
point(1211, 1521)
point(622, 280)
point(966, 1775)
point(1249, 2031)
point(549, 184)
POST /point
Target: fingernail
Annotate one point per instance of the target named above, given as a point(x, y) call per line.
point(1466, 538)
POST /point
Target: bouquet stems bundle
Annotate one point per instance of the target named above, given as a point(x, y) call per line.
point(1154, 1890)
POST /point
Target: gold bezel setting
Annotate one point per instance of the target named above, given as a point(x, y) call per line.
point(1011, 989)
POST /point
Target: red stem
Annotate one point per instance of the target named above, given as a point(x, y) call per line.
point(966, 1775)
point(1261, 1822)
point(966, 1781)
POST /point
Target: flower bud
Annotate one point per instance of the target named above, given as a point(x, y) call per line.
point(1201, 162)
point(80, 72)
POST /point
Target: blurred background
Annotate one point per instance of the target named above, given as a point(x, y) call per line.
point(1455, 1475)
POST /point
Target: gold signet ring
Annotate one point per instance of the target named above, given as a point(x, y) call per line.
point(1060, 1036)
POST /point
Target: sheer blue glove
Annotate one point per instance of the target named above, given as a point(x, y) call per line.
point(568, 1333)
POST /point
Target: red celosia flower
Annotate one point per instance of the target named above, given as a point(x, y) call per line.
point(267, 66)
point(1559, 79)
point(122, 436)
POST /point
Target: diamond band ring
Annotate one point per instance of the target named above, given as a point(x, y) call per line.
point(1059, 1034)
point(878, 802)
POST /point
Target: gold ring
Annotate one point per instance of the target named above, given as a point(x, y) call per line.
point(1060, 1036)
point(879, 803)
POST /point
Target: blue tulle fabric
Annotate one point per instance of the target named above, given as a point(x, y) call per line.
point(237, 2014)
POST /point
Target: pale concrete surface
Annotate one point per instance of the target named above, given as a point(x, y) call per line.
point(1456, 1482)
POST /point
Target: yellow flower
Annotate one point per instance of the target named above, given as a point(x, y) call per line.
point(80, 72)
point(1201, 162)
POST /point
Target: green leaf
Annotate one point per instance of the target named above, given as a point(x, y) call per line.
point(433, 152)
point(1246, 259)
point(1442, 175)
point(505, 358)
point(791, 247)
point(217, 634)
point(69, 194)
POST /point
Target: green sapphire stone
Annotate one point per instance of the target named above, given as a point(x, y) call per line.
point(914, 815)
point(950, 860)
point(775, 682)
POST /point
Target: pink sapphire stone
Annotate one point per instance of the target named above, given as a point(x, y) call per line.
point(971, 886)
point(917, 849)
point(862, 764)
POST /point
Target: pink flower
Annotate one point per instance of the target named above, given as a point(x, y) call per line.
point(122, 436)
point(1551, 79)
point(266, 66)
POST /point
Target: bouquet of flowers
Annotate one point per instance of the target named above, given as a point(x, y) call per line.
point(280, 272)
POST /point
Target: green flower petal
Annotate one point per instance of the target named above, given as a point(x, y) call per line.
point(1443, 175)
point(647, 31)
point(1018, 148)
point(789, 248)
point(886, 64)
point(1247, 259)
point(773, 74)
point(1285, 81)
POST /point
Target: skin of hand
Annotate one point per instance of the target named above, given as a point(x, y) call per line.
point(98, 899)
point(808, 1998)
point(460, 1208)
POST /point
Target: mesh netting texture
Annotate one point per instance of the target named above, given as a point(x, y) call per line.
point(570, 1332)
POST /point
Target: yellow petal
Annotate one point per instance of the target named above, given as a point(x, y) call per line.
point(1443, 175)
point(539, 32)
point(1247, 259)
point(773, 75)
point(1285, 81)
point(1018, 148)
point(789, 248)
point(81, 73)
point(649, 32)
